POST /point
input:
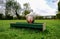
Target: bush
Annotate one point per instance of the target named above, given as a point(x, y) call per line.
point(53, 17)
point(14, 18)
point(8, 17)
point(39, 17)
point(20, 17)
point(58, 16)
point(1, 16)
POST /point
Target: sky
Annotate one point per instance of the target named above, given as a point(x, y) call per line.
point(42, 7)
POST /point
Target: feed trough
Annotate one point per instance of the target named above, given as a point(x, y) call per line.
point(41, 26)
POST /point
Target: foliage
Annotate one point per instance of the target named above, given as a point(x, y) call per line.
point(26, 5)
point(26, 12)
point(27, 8)
point(20, 18)
point(12, 5)
point(1, 16)
point(39, 17)
point(59, 6)
point(58, 16)
point(8, 17)
point(9, 4)
point(53, 17)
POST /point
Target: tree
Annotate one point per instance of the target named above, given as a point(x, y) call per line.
point(59, 6)
point(16, 7)
point(58, 14)
point(11, 4)
point(8, 6)
point(27, 8)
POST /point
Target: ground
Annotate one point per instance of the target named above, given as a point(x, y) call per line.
point(52, 30)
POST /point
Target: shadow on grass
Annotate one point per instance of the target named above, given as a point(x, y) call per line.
point(28, 29)
point(46, 32)
point(36, 30)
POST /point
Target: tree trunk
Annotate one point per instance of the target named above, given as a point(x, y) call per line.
point(17, 15)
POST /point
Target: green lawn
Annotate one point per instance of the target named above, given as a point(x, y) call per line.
point(52, 30)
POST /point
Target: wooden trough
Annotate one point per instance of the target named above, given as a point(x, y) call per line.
point(41, 26)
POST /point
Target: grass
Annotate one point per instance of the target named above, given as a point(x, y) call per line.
point(52, 30)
